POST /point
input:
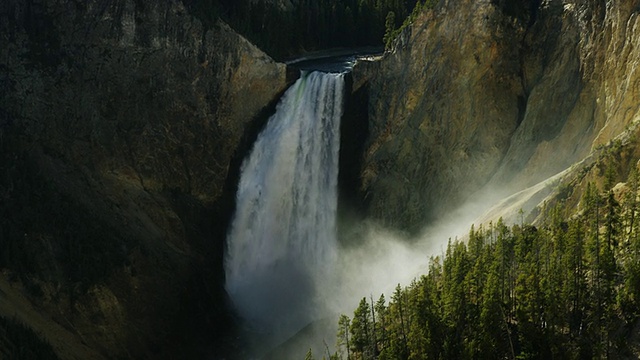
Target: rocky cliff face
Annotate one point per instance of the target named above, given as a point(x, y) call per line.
point(494, 95)
point(120, 127)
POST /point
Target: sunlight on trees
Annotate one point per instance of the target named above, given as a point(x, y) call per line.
point(567, 289)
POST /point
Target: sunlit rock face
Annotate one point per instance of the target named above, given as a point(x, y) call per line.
point(494, 93)
point(118, 124)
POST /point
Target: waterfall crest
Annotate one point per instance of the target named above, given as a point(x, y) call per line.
point(282, 241)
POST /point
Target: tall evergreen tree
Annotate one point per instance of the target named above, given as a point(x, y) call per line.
point(381, 329)
point(361, 332)
point(344, 329)
point(563, 290)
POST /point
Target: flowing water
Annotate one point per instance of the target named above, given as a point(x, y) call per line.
point(282, 242)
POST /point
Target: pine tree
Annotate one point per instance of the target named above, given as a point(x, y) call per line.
point(629, 295)
point(455, 297)
point(389, 29)
point(577, 286)
point(548, 292)
point(361, 332)
point(631, 205)
point(309, 355)
point(343, 342)
point(492, 323)
point(380, 331)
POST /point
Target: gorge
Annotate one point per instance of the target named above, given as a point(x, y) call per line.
point(124, 126)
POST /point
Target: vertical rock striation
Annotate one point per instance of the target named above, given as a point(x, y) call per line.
point(494, 95)
point(120, 125)
point(139, 86)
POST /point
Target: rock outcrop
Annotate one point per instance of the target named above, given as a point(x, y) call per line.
point(494, 95)
point(121, 126)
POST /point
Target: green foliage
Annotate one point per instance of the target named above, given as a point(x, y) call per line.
point(309, 355)
point(20, 342)
point(307, 24)
point(569, 289)
point(361, 330)
point(343, 343)
point(391, 32)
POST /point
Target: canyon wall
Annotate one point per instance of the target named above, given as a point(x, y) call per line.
point(122, 125)
point(493, 95)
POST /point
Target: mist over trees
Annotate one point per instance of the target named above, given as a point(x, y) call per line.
point(568, 289)
point(286, 28)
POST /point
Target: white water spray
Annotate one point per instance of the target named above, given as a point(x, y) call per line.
point(282, 241)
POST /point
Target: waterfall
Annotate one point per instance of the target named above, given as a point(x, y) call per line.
point(282, 242)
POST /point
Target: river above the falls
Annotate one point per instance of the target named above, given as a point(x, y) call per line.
point(334, 61)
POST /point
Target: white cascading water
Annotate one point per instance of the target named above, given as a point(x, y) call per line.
point(282, 241)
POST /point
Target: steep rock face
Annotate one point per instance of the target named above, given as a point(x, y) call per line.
point(495, 95)
point(119, 124)
point(569, 115)
point(142, 86)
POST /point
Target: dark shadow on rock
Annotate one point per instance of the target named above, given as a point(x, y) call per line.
point(354, 131)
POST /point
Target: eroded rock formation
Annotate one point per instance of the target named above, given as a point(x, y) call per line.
point(119, 124)
point(494, 95)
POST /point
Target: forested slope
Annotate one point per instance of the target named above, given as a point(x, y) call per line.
point(566, 288)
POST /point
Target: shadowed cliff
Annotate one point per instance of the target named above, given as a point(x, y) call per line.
point(123, 125)
point(119, 124)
